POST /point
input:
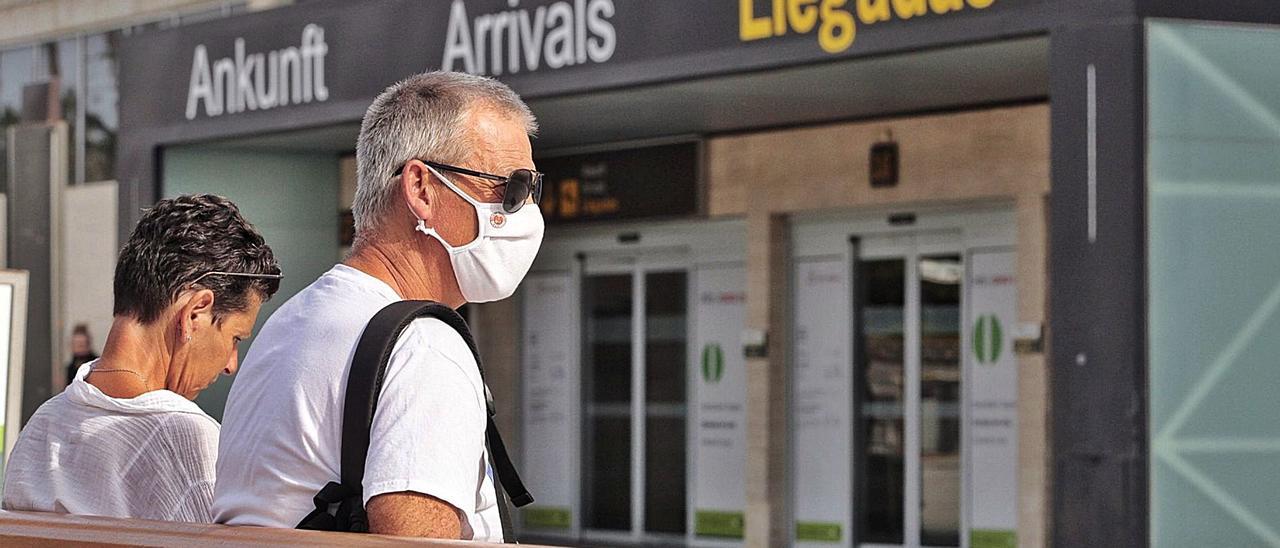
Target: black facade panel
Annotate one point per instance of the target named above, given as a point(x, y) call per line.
point(1240, 11)
point(1097, 288)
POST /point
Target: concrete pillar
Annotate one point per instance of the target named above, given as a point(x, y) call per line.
point(768, 492)
point(1033, 383)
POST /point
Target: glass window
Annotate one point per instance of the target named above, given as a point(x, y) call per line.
point(1214, 283)
point(880, 405)
point(101, 94)
point(940, 279)
point(63, 58)
point(606, 484)
point(17, 68)
point(666, 351)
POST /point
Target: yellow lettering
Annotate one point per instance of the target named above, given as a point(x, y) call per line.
point(837, 32)
point(907, 9)
point(779, 17)
point(873, 11)
point(981, 4)
point(751, 27)
point(944, 6)
point(802, 14)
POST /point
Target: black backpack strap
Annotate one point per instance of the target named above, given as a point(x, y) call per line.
point(364, 385)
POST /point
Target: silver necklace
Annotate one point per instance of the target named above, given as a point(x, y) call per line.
point(130, 371)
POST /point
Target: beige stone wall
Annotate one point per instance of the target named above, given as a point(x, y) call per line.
point(28, 21)
point(971, 157)
point(998, 153)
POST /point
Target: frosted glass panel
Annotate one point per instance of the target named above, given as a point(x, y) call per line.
point(1214, 251)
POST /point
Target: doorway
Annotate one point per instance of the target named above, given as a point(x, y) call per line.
point(634, 396)
point(634, 385)
point(903, 387)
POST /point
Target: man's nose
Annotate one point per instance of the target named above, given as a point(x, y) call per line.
point(233, 363)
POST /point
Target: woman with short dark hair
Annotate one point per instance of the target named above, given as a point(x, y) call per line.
point(124, 439)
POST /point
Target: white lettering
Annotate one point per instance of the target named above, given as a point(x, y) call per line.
point(531, 37)
point(246, 98)
point(201, 86)
point(457, 40)
point(483, 24)
point(266, 86)
point(223, 76)
point(559, 48)
point(580, 31)
point(258, 81)
point(318, 50)
point(600, 47)
point(291, 68)
point(564, 33)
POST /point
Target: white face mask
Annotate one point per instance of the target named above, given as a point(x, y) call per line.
point(491, 266)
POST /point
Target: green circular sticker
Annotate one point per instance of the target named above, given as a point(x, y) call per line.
point(712, 363)
point(988, 339)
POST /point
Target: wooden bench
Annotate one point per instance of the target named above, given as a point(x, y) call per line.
point(46, 529)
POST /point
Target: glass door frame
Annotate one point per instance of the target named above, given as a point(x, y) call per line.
point(911, 248)
point(637, 264)
point(934, 230)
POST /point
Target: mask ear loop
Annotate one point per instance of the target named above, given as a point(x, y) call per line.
point(476, 206)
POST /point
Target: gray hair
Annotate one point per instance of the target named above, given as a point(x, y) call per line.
point(424, 117)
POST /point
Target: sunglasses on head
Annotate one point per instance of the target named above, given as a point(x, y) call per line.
point(517, 187)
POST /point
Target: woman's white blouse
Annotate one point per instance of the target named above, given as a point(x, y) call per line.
point(84, 452)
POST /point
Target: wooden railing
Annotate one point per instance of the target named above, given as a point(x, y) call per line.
point(41, 529)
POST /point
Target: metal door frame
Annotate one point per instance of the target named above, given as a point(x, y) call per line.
point(911, 248)
point(637, 264)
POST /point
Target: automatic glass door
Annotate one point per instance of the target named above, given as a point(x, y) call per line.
point(634, 399)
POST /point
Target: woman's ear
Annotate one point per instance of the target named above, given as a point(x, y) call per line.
point(415, 189)
point(198, 310)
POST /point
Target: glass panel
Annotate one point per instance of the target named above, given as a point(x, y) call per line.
point(879, 469)
point(101, 120)
point(1214, 283)
point(940, 283)
point(666, 339)
point(64, 71)
point(17, 67)
point(606, 397)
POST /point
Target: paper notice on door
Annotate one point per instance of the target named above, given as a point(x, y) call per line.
point(822, 402)
point(550, 402)
point(992, 426)
point(718, 375)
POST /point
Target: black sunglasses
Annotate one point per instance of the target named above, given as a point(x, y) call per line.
point(519, 185)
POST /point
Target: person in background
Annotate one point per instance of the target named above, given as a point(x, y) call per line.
point(124, 439)
point(81, 350)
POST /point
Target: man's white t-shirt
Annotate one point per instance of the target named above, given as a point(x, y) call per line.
point(282, 428)
point(84, 452)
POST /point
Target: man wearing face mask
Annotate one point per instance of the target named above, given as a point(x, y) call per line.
point(445, 210)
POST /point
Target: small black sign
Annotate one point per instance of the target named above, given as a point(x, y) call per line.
point(884, 164)
point(657, 181)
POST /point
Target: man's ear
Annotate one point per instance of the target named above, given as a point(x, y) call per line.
point(415, 189)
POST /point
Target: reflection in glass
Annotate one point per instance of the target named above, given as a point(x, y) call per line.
point(606, 396)
point(101, 93)
point(880, 401)
point(63, 60)
point(940, 279)
point(17, 69)
point(666, 339)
